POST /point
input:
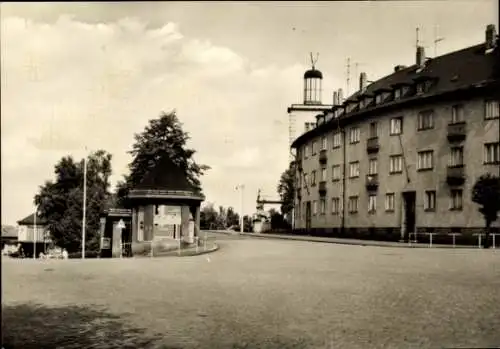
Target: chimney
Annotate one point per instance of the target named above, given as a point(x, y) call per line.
point(340, 96)
point(335, 98)
point(420, 56)
point(491, 34)
point(363, 82)
point(399, 68)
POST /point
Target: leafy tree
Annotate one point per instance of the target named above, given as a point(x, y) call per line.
point(61, 201)
point(286, 189)
point(208, 217)
point(162, 137)
point(232, 218)
point(486, 193)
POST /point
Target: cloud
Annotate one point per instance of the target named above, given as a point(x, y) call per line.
point(70, 84)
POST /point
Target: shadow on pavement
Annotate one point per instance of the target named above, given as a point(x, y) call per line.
point(36, 326)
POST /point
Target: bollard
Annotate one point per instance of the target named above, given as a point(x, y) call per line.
point(479, 235)
point(494, 238)
point(454, 236)
point(197, 243)
point(430, 238)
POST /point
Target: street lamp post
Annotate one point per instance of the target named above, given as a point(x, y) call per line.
point(241, 188)
point(84, 218)
point(35, 232)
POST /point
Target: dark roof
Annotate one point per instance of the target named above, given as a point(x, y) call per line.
point(454, 71)
point(313, 73)
point(166, 175)
point(30, 220)
point(8, 231)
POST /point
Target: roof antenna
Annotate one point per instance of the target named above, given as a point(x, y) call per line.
point(313, 61)
point(417, 43)
point(437, 39)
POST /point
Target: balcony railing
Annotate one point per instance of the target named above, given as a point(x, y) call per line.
point(322, 156)
point(455, 175)
point(457, 132)
point(372, 145)
point(322, 187)
point(372, 182)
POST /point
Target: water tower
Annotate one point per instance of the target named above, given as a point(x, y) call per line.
point(311, 106)
point(313, 79)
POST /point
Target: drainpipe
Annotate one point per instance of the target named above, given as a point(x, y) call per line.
point(344, 191)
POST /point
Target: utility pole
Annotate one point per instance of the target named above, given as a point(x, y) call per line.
point(84, 218)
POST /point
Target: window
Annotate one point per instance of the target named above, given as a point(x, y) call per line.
point(306, 177)
point(354, 169)
point(336, 173)
point(425, 120)
point(306, 151)
point(354, 135)
point(315, 207)
point(429, 200)
point(353, 204)
point(372, 204)
point(323, 143)
point(373, 130)
point(313, 178)
point(397, 94)
point(420, 88)
point(378, 99)
point(389, 202)
point(314, 146)
point(304, 210)
point(323, 174)
point(425, 160)
point(335, 205)
point(457, 156)
point(457, 114)
point(492, 153)
point(395, 164)
point(337, 141)
point(322, 206)
point(372, 167)
point(456, 199)
point(491, 110)
point(396, 126)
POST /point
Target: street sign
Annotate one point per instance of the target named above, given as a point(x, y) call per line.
point(172, 215)
point(105, 243)
point(121, 224)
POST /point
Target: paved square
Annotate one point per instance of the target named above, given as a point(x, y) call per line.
point(258, 293)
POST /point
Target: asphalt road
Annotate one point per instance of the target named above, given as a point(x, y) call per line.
point(258, 293)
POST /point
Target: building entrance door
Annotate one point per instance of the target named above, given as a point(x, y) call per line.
point(308, 215)
point(409, 199)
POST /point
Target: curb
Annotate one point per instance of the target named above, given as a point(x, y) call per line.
point(358, 242)
point(174, 253)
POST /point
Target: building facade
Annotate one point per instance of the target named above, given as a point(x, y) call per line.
point(402, 154)
point(33, 235)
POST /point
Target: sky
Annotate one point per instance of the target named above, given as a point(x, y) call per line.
point(76, 75)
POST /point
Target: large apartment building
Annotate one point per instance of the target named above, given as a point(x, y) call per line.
point(402, 154)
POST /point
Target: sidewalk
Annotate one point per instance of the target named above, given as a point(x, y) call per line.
point(345, 241)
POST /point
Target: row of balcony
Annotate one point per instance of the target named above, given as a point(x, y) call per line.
point(455, 175)
point(456, 133)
